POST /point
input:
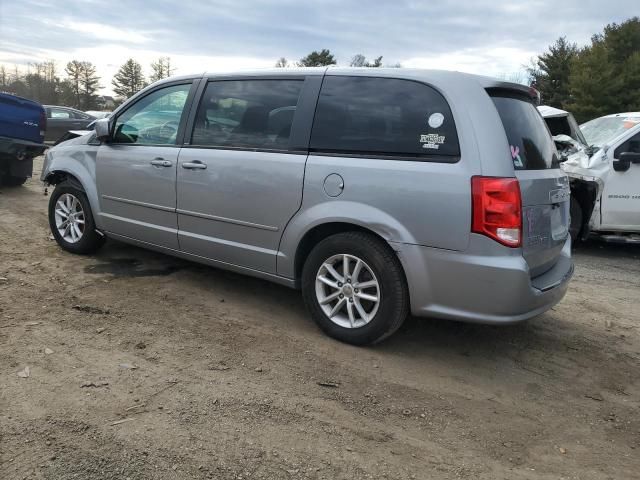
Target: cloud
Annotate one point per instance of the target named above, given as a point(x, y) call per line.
point(106, 32)
point(493, 37)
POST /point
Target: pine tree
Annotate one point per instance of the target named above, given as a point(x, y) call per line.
point(318, 59)
point(161, 68)
point(550, 72)
point(129, 79)
point(89, 85)
point(605, 75)
point(74, 76)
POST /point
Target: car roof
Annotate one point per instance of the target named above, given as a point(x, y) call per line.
point(439, 77)
point(551, 112)
point(62, 106)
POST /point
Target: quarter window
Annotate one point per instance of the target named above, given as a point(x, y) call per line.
point(247, 114)
point(383, 116)
point(154, 119)
point(60, 113)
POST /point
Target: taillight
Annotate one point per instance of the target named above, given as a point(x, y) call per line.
point(43, 123)
point(497, 209)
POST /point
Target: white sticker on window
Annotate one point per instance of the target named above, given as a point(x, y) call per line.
point(432, 140)
point(436, 120)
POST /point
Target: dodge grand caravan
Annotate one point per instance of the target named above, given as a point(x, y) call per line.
point(376, 193)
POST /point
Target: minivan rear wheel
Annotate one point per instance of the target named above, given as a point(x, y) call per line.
point(354, 287)
point(71, 220)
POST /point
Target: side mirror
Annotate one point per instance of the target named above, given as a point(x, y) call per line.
point(630, 157)
point(102, 128)
point(621, 165)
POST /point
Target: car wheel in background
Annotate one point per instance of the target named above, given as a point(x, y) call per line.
point(575, 227)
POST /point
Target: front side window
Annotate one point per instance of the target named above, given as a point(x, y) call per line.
point(154, 119)
point(383, 116)
point(632, 145)
point(247, 114)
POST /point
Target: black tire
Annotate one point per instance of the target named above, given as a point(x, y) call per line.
point(575, 227)
point(14, 181)
point(380, 258)
point(90, 241)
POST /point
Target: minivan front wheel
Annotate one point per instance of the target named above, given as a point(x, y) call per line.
point(354, 287)
point(71, 220)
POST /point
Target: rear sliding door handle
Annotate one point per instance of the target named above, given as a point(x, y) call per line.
point(195, 165)
point(160, 162)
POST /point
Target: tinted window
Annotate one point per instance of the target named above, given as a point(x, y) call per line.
point(154, 119)
point(247, 114)
point(530, 143)
point(383, 116)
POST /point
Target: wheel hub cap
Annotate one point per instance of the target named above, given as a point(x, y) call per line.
point(348, 291)
point(69, 218)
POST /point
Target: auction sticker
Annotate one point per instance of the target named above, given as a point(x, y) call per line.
point(436, 120)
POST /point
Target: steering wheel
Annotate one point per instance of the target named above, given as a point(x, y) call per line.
point(171, 124)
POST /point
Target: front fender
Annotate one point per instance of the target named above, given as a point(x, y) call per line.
point(78, 161)
point(336, 211)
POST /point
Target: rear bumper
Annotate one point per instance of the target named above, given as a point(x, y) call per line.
point(13, 147)
point(487, 283)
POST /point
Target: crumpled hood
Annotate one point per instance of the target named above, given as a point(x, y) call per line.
point(82, 139)
point(594, 168)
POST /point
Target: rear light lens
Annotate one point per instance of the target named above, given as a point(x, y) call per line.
point(43, 123)
point(497, 209)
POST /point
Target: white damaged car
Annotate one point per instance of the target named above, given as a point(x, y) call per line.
point(602, 160)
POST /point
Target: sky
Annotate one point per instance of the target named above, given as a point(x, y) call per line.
point(490, 37)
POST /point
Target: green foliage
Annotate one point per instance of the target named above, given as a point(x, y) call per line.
point(605, 76)
point(318, 59)
point(551, 70)
point(129, 79)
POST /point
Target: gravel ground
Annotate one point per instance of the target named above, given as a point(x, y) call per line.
point(145, 366)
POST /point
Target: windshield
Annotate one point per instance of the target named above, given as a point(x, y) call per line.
point(605, 129)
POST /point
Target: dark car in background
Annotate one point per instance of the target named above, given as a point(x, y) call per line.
point(62, 119)
point(22, 129)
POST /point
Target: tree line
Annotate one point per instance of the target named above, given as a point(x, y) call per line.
point(79, 86)
point(598, 79)
point(325, 58)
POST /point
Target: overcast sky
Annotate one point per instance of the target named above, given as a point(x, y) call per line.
point(492, 37)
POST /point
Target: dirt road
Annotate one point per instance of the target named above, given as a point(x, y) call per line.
point(145, 366)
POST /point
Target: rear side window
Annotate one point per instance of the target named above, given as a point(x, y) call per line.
point(247, 114)
point(530, 143)
point(383, 116)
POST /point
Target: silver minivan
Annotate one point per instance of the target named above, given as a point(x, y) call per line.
point(377, 192)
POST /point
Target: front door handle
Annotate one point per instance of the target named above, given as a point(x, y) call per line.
point(195, 165)
point(160, 162)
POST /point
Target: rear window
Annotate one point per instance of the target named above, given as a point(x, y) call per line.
point(530, 143)
point(383, 116)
